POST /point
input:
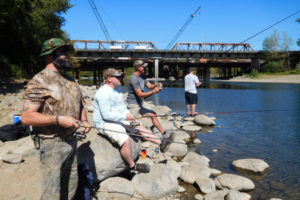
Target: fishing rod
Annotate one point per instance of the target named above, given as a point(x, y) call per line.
point(132, 134)
point(225, 112)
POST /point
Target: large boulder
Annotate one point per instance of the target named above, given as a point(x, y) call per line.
point(251, 164)
point(204, 120)
point(104, 157)
point(158, 183)
point(117, 185)
point(232, 181)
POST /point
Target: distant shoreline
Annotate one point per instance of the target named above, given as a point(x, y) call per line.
point(267, 79)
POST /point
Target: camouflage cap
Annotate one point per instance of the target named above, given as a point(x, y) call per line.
point(112, 73)
point(52, 44)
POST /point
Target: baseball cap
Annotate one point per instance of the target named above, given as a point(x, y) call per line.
point(140, 63)
point(49, 46)
point(112, 73)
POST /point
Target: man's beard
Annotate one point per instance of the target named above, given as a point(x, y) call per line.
point(62, 64)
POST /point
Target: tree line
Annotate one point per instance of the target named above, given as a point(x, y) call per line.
point(24, 26)
point(277, 47)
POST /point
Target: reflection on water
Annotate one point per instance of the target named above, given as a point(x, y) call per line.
point(273, 136)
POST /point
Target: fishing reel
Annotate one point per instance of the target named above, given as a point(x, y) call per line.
point(135, 124)
point(79, 135)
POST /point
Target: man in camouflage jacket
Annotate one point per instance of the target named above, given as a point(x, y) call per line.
point(53, 106)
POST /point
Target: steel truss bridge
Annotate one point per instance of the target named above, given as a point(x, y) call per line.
point(231, 58)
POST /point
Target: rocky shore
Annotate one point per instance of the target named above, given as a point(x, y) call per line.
point(20, 173)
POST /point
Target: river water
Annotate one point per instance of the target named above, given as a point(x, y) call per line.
point(271, 131)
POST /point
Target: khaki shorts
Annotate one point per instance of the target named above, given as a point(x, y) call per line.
point(115, 132)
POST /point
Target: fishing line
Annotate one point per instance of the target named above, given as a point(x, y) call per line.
point(211, 113)
point(267, 28)
point(132, 134)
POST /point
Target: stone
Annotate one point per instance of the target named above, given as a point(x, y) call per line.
point(175, 166)
point(178, 149)
point(232, 181)
point(251, 164)
point(158, 183)
point(236, 195)
point(204, 120)
point(206, 185)
point(117, 185)
point(191, 128)
point(180, 189)
point(104, 157)
point(215, 172)
point(190, 173)
point(217, 195)
point(195, 159)
point(12, 158)
point(198, 197)
point(162, 110)
point(197, 141)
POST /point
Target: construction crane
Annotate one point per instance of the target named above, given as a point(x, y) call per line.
point(99, 19)
point(188, 21)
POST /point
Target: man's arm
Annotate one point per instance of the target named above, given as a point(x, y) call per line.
point(31, 116)
point(152, 86)
point(198, 84)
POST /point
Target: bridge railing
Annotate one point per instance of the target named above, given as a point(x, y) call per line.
point(221, 47)
point(112, 45)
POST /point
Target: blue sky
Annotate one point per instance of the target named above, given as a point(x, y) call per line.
point(224, 21)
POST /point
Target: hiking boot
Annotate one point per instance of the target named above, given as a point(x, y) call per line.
point(141, 167)
point(165, 143)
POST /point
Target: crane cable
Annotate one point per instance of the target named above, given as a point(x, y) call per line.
point(256, 34)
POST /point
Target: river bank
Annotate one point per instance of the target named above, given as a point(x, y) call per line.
point(268, 79)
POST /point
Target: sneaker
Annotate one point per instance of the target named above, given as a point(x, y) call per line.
point(141, 167)
point(165, 143)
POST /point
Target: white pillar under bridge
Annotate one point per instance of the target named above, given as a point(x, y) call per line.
point(156, 63)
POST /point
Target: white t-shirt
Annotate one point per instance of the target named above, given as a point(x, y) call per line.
point(190, 82)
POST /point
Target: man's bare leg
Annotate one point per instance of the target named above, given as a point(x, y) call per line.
point(146, 133)
point(188, 109)
point(125, 151)
point(155, 122)
point(193, 109)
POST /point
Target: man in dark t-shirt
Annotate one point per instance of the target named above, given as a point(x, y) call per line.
point(136, 93)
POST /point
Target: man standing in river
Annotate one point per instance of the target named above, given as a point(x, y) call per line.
point(191, 81)
point(53, 106)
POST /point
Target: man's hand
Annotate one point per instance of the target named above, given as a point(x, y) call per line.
point(156, 90)
point(129, 117)
point(86, 126)
point(160, 85)
point(68, 122)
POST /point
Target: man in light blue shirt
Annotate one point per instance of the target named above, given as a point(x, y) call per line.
point(110, 110)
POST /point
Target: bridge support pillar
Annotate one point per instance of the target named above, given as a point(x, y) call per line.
point(255, 64)
point(156, 63)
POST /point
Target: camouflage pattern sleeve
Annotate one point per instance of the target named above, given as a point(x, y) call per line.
point(35, 92)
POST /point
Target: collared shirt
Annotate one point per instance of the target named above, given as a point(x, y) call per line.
point(58, 95)
point(135, 83)
point(190, 82)
point(108, 105)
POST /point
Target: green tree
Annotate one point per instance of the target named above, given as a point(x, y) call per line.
point(24, 25)
point(276, 49)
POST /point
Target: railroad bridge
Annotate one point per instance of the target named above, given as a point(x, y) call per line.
point(231, 59)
